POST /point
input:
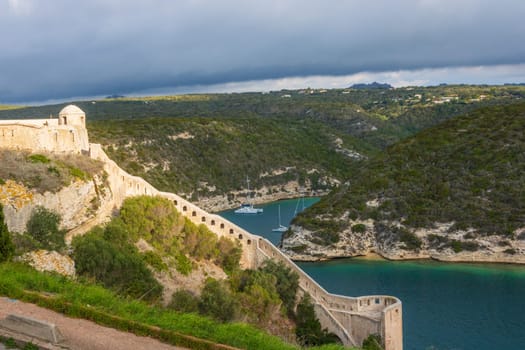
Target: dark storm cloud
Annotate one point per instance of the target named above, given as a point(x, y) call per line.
point(64, 48)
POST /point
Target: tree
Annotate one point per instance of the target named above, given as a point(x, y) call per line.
point(153, 218)
point(308, 329)
point(184, 301)
point(229, 254)
point(116, 265)
point(43, 226)
point(287, 282)
point(6, 245)
point(217, 301)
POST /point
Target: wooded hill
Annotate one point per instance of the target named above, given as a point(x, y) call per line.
point(207, 144)
point(469, 170)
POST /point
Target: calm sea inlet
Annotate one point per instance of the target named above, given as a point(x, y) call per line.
point(445, 306)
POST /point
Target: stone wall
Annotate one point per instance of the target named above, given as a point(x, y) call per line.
point(351, 319)
point(67, 134)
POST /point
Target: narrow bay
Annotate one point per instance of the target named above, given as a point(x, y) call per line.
point(445, 306)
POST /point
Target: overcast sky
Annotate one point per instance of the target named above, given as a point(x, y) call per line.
point(60, 49)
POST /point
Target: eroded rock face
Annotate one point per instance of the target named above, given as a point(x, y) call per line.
point(76, 203)
point(43, 260)
point(435, 243)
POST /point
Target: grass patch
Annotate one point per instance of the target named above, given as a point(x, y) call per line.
point(46, 172)
point(72, 298)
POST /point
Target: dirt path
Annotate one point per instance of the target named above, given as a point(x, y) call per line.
point(81, 334)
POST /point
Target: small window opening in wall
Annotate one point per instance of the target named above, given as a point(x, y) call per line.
point(222, 225)
point(231, 230)
point(240, 236)
point(377, 300)
point(175, 202)
point(194, 213)
point(249, 242)
point(212, 222)
point(203, 219)
point(184, 208)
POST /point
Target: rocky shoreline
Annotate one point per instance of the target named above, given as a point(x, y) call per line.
point(489, 249)
point(264, 195)
point(449, 258)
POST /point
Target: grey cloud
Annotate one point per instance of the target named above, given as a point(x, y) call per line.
point(64, 48)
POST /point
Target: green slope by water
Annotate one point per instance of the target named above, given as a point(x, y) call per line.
point(469, 170)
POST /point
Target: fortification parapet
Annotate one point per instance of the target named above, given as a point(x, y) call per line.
point(67, 134)
point(351, 319)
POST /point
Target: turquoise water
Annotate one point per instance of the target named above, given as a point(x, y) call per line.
point(262, 224)
point(445, 306)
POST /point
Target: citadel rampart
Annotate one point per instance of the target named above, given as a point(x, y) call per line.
point(352, 319)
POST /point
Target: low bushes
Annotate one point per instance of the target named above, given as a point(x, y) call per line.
point(117, 265)
point(6, 244)
point(105, 307)
point(46, 172)
point(43, 227)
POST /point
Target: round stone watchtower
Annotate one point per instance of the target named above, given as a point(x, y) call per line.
point(72, 115)
point(67, 134)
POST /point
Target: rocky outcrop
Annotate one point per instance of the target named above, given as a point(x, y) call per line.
point(436, 243)
point(43, 260)
point(265, 195)
point(76, 203)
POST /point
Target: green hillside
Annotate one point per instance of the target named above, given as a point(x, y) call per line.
point(468, 170)
point(179, 154)
point(207, 144)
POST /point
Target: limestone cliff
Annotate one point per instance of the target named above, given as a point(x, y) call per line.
point(436, 243)
point(76, 203)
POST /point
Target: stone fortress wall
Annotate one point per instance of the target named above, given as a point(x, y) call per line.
point(67, 134)
point(352, 319)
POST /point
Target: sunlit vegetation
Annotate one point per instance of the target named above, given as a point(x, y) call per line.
point(207, 144)
point(46, 172)
point(84, 299)
point(468, 170)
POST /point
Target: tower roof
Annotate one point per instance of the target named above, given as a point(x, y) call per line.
point(71, 110)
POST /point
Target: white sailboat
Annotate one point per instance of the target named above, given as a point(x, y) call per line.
point(297, 206)
point(248, 208)
point(281, 227)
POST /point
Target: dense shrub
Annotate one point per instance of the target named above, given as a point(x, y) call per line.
point(154, 260)
point(372, 342)
point(257, 295)
point(43, 226)
point(183, 264)
point(287, 282)
point(6, 245)
point(308, 330)
point(411, 240)
point(229, 254)
point(184, 301)
point(456, 246)
point(155, 219)
point(199, 241)
point(116, 266)
point(359, 228)
point(218, 301)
